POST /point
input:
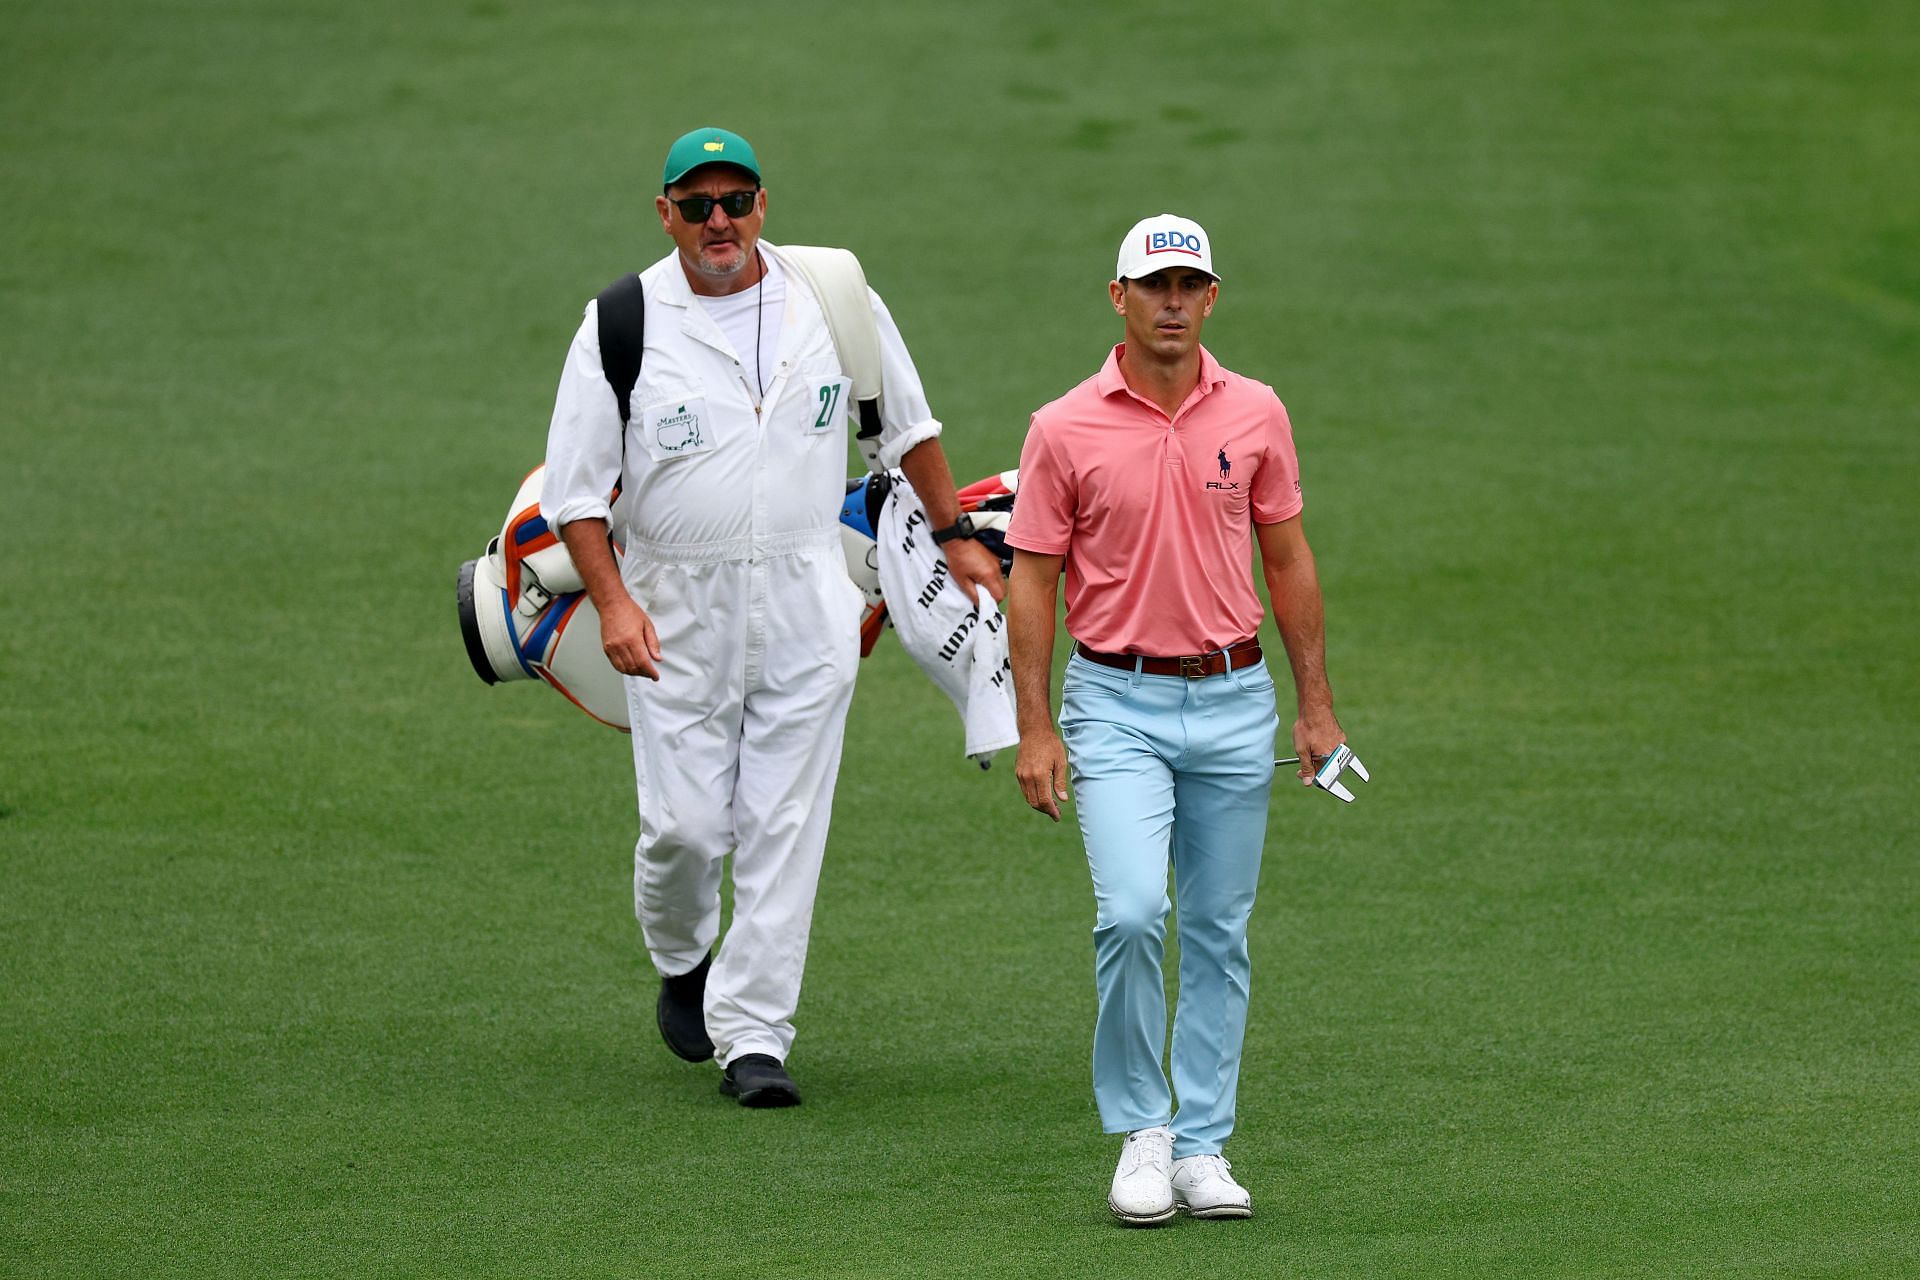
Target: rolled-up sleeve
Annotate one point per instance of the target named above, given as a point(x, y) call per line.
point(583, 442)
point(905, 419)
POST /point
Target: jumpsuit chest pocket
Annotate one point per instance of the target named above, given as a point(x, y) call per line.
point(827, 405)
point(677, 427)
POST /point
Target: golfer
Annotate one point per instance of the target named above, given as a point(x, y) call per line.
point(1149, 483)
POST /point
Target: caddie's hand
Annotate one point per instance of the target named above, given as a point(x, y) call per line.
point(969, 564)
point(632, 645)
point(1041, 767)
point(1315, 735)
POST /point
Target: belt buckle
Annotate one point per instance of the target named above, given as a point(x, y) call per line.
point(1193, 667)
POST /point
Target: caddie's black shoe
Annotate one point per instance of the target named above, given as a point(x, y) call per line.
point(683, 1022)
point(759, 1081)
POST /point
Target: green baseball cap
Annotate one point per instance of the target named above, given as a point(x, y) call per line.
point(708, 146)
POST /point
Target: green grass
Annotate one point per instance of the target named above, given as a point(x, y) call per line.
point(1599, 327)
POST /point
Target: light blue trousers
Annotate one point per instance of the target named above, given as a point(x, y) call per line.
point(1168, 766)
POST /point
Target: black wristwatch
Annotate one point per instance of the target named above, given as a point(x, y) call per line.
point(961, 528)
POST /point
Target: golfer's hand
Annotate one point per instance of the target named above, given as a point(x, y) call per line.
point(970, 564)
point(632, 645)
point(1041, 767)
point(1315, 735)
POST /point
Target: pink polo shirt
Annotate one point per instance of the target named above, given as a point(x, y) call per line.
point(1155, 518)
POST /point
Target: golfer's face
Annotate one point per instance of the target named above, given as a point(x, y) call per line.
point(1164, 311)
point(719, 247)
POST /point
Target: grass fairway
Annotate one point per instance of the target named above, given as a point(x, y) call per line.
point(1599, 326)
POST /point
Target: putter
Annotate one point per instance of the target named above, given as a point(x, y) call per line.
point(1327, 776)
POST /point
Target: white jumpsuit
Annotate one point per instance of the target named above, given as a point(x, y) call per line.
point(728, 517)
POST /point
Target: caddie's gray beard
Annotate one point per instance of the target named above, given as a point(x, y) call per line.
point(707, 267)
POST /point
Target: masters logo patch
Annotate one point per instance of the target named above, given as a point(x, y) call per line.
point(676, 428)
point(678, 431)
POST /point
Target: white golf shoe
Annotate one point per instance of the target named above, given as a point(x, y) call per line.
point(1142, 1194)
point(1204, 1187)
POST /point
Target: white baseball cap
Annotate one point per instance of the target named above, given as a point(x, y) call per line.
point(1162, 241)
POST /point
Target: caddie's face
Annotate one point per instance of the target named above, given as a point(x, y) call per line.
point(1164, 311)
point(721, 247)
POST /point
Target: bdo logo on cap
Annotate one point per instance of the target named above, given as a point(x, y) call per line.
point(1173, 242)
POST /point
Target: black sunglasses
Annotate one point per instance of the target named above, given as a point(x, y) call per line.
point(736, 204)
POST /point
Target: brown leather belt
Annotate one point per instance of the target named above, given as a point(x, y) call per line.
point(1196, 667)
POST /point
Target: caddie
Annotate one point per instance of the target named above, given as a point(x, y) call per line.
point(1149, 484)
point(729, 610)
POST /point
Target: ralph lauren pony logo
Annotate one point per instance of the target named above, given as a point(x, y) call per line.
point(1226, 469)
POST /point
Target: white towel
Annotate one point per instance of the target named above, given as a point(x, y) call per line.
point(961, 645)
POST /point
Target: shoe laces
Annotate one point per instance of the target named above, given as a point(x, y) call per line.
point(1141, 1150)
point(1209, 1168)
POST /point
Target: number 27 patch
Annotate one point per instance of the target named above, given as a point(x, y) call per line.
point(829, 406)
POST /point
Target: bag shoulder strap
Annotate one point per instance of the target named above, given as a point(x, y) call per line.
point(837, 281)
point(623, 336)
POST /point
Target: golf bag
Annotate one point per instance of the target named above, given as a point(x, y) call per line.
point(525, 614)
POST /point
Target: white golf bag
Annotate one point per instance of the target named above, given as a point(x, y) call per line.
point(525, 615)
